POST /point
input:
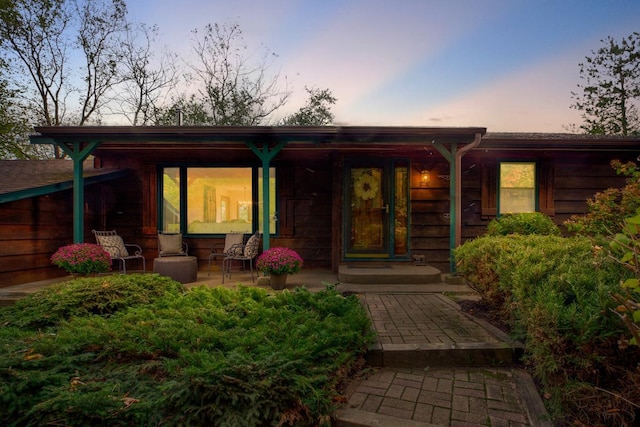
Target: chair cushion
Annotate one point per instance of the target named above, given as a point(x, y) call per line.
point(251, 248)
point(233, 241)
point(170, 243)
point(113, 245)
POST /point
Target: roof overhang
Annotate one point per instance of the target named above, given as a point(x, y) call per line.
point(221, 135)
point(559, 142)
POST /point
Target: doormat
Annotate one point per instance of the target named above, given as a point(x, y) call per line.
point(369, 266)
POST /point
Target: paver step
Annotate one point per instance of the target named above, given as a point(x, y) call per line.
point(389, 274)
point(431, 397)
point(459, 354)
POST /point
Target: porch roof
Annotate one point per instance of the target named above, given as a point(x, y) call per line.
point(130, 135)
point(557, 141)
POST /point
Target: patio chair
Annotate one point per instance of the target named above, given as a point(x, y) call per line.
point(171, 244)
point(231, 240)
point(117, 249)
point(244, 253)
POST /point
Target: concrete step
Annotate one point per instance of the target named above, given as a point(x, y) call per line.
point(401, 274)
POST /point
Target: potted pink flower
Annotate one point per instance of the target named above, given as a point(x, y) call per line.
point(82, 258)
point(278, 263)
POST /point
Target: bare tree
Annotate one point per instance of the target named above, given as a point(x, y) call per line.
point(147, 79)
point(101, 24)
point(235, 90)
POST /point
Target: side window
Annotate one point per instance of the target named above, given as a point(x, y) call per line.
point(517, 187)
point(495, 201)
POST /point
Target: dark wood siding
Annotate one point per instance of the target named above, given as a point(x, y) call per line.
point(32, 229)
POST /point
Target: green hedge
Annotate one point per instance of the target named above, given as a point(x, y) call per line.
point(555, 292)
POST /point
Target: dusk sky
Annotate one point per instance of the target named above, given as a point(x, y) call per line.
point(508, 65)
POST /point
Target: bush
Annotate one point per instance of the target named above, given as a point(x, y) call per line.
point(102, 295)
point(555, 293)
point(609, 208)
point(204, 357)
point(523, 223)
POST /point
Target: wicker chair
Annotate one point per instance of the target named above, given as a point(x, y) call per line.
point(117, 249)
point(231, 240)
point(244, 253)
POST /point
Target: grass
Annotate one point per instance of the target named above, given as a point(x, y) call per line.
point(138, 350)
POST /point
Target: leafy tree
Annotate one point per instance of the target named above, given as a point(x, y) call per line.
point(14, 126)
point(317, 110)
point(611, 90)
point(39, 38)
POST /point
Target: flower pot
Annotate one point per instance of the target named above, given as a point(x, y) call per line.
point(278, 281)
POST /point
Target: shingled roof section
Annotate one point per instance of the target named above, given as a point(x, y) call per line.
point(26, 177)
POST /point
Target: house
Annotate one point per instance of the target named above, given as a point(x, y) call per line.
point(338, 195)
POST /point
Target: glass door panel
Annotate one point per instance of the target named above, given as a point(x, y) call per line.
point(368, 213)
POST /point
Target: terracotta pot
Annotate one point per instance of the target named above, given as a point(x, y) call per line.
point(278, 281)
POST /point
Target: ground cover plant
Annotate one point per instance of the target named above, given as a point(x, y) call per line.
point(138, 350)
point(555, 293)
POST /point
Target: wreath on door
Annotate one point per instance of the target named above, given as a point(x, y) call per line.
point(366, 187)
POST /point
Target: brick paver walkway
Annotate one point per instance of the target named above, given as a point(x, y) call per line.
point(422, 319)
point(444, 396)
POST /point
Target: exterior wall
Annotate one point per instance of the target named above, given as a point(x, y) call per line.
point(32, 229)
point(574, 178)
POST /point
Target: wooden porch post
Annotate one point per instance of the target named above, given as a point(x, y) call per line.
point(454, 157)
point(78, 154)
point(266, 155)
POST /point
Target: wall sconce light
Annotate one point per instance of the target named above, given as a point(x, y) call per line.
point(424, 177)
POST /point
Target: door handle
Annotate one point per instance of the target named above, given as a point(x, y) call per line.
point(385, 208)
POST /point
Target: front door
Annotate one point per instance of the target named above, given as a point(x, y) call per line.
point(376, 209)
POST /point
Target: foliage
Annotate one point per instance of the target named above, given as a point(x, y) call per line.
point(626, 247)
point(316, 112)
point(522, 223)
point(14, 125)
point(82, 258)
point(40, 37)
point(607, 209)
point(555, 294)
point(611, 88)
point(279, 261)
point(206, 357)
point(102, 296)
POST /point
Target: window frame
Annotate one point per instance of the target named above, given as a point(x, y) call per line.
point(256, 194)
point(536, 185)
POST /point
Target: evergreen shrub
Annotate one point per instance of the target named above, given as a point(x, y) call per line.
point(523, 223)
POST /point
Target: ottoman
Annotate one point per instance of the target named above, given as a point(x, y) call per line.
point(183, 269)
